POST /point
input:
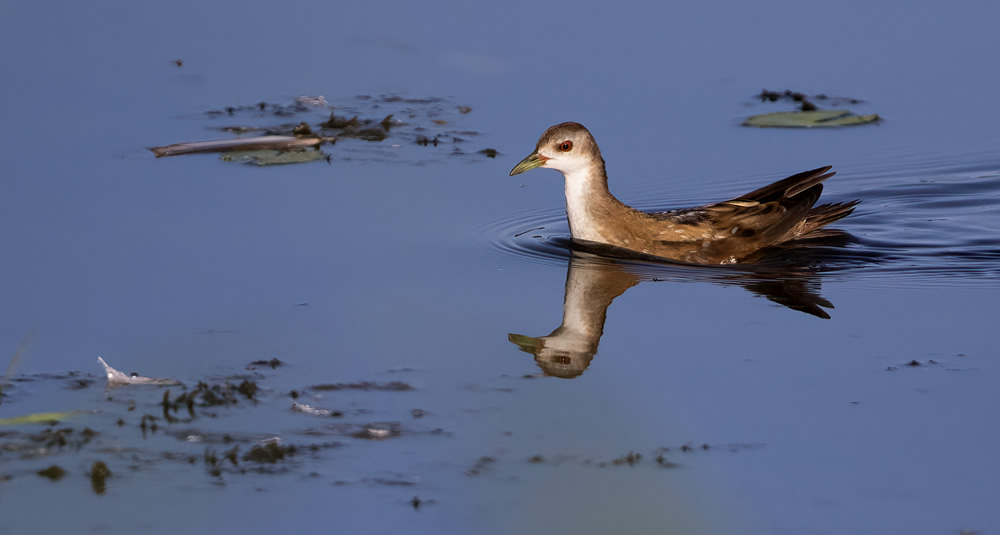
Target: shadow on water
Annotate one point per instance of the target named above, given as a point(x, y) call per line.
point(597, 274)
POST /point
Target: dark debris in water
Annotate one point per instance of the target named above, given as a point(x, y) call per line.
point(803, 100)
point(273, 363)
point(661, 460)
point(80, 384)
point(914, 363)
point(206, 395)
point(270, 453)
point(483, 463)
point(188, 426)
point(807, 113)
point(54, 472)
point(397, 481)
point(66, 437)
point(367, 386)
point(259, 458)
point(312, 121)
point(661, 457)
point(99, 475)
point(631, 458)
point(185, 428)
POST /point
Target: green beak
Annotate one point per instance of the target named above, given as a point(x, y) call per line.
point(528, 344)
point(532, 161)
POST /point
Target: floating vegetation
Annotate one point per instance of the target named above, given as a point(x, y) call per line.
point(206, 395)
point(634, 458)
point(259, 457)
point(662, 460)
point(219, 429)
point(424, 121)
point(809, 119)
point(914, 364)
point(483, 463)
point(269, 453)
point(805, 101)
point(99, 475)
point(273, 363)
point(631, 458)
point(66, 437)
point(808, 114)
point(204, 426)
point(38, 418)
point(398, 481)
point(54, 472)
point(394, 386)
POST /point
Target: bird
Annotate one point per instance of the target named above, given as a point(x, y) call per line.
point(728, 232)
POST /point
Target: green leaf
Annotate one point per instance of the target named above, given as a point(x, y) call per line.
point(38, 418)
point(809, 119)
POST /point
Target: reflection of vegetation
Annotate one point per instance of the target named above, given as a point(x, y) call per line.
point(274, 157)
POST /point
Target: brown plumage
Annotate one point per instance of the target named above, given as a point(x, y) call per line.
point(722, 233)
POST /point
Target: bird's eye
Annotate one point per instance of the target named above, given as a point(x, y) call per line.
point(566, 146)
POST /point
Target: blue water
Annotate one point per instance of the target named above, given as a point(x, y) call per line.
point(411, 266)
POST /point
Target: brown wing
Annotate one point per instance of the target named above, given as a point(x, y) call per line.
point(760, 224)
point(770, 214)
point(788, 187)
point(735, 228)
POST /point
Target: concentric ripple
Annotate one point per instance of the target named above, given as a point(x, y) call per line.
point(938, 227)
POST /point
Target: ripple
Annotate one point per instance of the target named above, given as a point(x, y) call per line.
point(538, 236)
point(931, 228)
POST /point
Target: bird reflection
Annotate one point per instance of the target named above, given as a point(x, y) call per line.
point(590, 287)
point(594, 279)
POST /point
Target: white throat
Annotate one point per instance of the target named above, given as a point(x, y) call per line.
point(583, 189)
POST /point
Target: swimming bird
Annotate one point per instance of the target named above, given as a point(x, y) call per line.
point(727, 232)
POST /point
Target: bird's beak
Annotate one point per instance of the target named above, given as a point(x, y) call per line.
point(532, 161)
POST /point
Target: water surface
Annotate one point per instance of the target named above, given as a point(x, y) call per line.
point(414, 265)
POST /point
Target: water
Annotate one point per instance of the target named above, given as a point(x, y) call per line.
point(410, 265)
